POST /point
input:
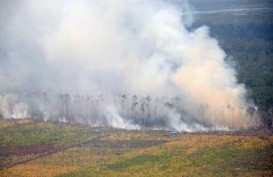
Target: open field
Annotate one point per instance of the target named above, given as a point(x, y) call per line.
point(29, 148)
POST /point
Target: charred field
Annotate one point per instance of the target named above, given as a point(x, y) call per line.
point(38, 148)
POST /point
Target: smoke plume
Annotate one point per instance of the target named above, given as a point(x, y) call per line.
point(128, 64)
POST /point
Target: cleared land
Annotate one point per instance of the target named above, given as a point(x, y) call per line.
point(29, 148)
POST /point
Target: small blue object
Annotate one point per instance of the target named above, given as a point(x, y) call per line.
point(96, 131)
point(174, 132)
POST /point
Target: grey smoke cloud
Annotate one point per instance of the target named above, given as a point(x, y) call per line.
point(119, 47)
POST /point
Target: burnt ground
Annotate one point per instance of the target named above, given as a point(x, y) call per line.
point(35, 149)
point(124, 143)
point(14, 155)
point(29, 153)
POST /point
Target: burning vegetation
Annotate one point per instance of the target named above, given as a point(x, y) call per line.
point(171, 76)
point(128, 112)
point(134, 88)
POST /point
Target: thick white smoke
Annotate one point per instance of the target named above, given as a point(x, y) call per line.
point(118, 47)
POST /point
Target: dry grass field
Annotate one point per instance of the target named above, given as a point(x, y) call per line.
point(29, 148)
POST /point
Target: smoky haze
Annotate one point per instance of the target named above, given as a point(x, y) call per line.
point(127, 64)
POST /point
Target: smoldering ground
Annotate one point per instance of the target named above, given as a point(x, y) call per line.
point(127, 64)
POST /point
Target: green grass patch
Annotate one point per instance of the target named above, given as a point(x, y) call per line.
point(144, 159)
point(43, 133)
point(224, 160)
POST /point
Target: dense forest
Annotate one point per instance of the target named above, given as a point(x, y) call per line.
point(246, 37)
